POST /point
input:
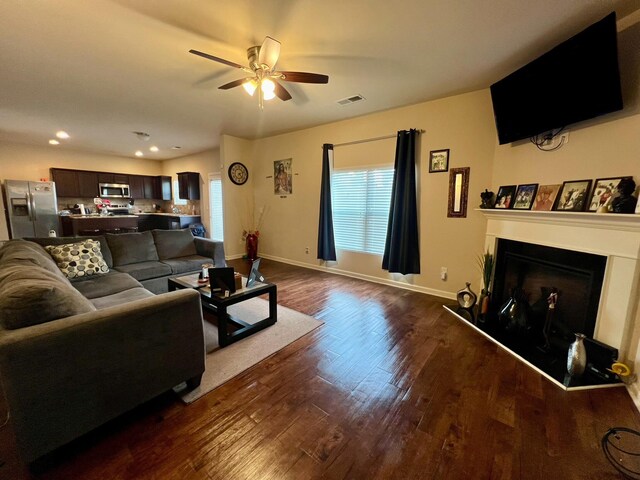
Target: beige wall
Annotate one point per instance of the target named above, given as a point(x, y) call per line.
point(462, 123)
point(204, 163)
point(238, 199)
point(28, 162)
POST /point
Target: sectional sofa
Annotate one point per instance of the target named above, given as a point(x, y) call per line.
point(88, 330)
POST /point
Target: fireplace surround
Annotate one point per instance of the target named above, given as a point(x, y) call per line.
point(612, 240)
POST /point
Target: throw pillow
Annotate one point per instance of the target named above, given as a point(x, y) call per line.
point(174, 243)
point(80, 259)
point(128, 248)
point(32, 295)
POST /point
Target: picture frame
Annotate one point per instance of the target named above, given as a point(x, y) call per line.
point(439, 161)
point(458, 192)
point(505, 196)
point(283, 177)
point(604, 189)
point(525, 195)
point(546, 197)
point(573, 196)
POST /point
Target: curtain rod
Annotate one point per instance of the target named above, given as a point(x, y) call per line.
point(365, 140)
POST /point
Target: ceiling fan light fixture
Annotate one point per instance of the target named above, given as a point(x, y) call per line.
point(250, 86)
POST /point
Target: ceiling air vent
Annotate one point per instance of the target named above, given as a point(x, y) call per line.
point(350, 100)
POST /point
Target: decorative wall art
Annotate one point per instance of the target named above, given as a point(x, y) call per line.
point(438, 161)
point(505, 196)
point(458, 192)
point(525, 194)
point(573, 195)
point(545, 197)
point(603, 192)
point(283, 177)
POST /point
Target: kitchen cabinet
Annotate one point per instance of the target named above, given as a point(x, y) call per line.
point(110, 177)
point(87, 184)
point(66, 182)
point(164, 187)
point(165, 221)
point(189, 185)
point(74, 225)
point(149, 187)
point(136, 185)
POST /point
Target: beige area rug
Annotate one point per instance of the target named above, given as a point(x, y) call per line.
point(223, 364)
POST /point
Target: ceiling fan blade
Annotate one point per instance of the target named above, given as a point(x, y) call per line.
point(303, 77)
point(216, 59)
point(269, 52)
point(235, 83)
point(281, 92)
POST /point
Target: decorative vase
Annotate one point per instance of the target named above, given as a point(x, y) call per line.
point(513, 314)
point(577, 356)
point(484, 303)
point(252, 246)
point(466, 298)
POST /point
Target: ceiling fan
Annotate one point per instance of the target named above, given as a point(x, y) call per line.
point(264, 78)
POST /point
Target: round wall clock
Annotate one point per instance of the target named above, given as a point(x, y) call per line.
point(238, 173)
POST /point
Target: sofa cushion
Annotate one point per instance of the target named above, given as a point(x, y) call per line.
point(119, 298)
point(79, 259)
point(30, 252)
point(145, 270)
point(33, 295)
point(128, 248)
point(105, 285)
point(191, 263)
point(104, 246)
point(174, 243)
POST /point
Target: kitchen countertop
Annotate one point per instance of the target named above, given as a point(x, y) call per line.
point(169, 214)
point(97, 215)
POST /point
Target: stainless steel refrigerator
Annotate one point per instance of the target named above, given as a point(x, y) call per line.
point(32, 209)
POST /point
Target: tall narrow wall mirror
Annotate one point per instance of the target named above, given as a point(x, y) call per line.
point(458, 192)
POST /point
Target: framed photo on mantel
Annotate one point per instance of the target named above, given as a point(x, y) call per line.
point(505, 196)
point(573, 195)
point(525, 194)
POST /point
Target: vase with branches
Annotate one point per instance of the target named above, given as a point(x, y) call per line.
point(485, 262)
point(251, 231)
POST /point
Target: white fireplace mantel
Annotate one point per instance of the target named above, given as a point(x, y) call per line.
point(616, 236)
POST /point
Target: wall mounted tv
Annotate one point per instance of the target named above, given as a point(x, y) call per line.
point(577, 80)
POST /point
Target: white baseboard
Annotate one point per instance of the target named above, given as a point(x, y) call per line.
point(369, 278)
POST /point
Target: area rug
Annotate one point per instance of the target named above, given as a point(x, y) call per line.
point(222, 364)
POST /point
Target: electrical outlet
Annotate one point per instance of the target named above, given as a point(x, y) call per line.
point(443, 274)
point(306, 250)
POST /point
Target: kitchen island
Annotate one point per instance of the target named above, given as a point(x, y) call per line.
point(95, 224)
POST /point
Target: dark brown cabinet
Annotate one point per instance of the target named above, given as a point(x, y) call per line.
point(66, 182)
point(149, 187)
point(136, 186)
point(164, 187)
point(189, 185)
point(87, 184)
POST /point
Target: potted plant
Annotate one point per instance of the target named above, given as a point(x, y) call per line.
point(485, 262)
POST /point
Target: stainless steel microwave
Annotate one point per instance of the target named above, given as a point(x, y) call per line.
point(114, 190)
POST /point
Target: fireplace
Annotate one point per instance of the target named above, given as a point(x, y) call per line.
point(593, 260)
point(532, 273)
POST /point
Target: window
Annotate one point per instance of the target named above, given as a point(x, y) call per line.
point(215, 203)
point(176, 194)
point(361, 200)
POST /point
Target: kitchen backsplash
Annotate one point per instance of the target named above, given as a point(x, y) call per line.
point(140, 206)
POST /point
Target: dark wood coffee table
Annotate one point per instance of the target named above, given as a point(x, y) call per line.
point(219, 304)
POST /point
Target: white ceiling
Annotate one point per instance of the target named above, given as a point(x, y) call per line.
point(101, 69)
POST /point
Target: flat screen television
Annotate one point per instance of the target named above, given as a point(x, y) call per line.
point(577, 80)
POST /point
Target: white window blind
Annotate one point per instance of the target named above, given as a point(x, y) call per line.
point(361, 200)
point(215, 199)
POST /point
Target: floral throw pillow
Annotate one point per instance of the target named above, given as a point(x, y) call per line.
point(81, 259)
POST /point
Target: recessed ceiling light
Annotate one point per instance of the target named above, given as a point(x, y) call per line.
point(53, 141)
point(139, 153)
point(153, 148)
point(176, 147)
point(62, 134)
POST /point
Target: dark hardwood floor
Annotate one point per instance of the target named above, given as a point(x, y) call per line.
point(391, 387)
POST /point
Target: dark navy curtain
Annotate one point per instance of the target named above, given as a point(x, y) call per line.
point(401, 250)
point(326, 243)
